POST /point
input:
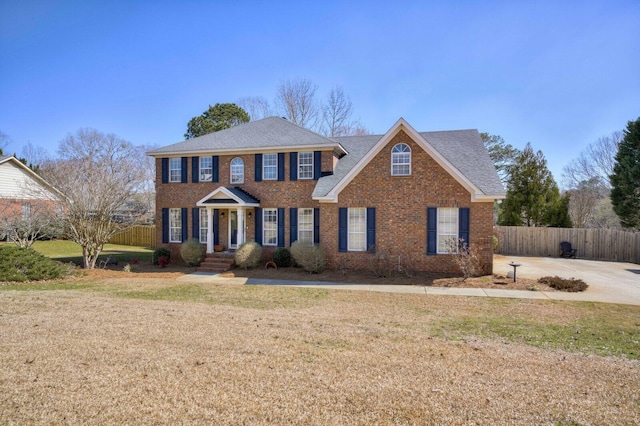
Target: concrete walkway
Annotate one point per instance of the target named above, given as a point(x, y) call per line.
point(609, 282)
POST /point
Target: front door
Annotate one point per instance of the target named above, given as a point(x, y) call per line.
point(233, 229)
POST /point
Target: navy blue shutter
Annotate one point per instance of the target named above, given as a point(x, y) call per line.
point(316, 226)
point(281, 166)
point(280, 227)
point(293, 166)
point(184, 169)
point(165, 170)
point(371, 229)
point(342, 228)
point(317, 164)
point(293, 224)
point(258, 224)
point(432, 230)
point(216, 227)
point(185, 224)
point(165, 225)
point(463, 224)
point(258, 168)
point(195, 219)
point(215, 168)
point(195, 169)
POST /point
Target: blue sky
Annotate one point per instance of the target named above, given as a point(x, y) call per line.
point(558, 74)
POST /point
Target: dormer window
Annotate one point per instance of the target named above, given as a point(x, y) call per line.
point(401, 160)
point(237, 170)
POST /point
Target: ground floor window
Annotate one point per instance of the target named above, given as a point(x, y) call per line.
point(447, 230)
point(357, 227)
point(175, 225)
point(204, 226)
point(305, 225)
point(270, 227)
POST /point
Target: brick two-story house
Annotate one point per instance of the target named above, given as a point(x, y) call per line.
point(405, 193)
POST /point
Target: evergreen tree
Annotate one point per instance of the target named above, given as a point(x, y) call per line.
point(625, 180)
point(216, 118)
point(532, 194)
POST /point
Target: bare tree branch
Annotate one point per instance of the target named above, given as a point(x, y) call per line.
point(295, 100)
point(594, 162)
point(256, 106)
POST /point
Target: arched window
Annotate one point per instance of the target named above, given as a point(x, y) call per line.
point(237, 170)
point(401, 160)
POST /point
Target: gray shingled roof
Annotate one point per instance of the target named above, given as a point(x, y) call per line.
point(464, 149)
point(4, 157)
point(270, 132)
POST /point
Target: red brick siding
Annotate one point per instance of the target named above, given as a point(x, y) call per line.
point(401, 211)
point(401, 207)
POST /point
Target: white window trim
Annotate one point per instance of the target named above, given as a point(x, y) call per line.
point(204, 214)
point(440, 234)
point(173, 226)
point(231, 166)
point(264, 227)
point(264, 167)
point(393, 154)
point(175, 160)
point(306, 165)
point(210, 168)
point(300, 215)
point(349, 248)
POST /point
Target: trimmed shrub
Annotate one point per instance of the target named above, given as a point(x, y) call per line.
point(22, 264)
point(282, 257)
point(248, 255)
point(571, 285)
point(311, 257)
point(192, 252)
point(158, 253)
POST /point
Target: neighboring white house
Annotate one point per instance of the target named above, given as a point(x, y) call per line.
point(20, 186)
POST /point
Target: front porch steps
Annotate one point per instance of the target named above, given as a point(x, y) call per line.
point(216, 262)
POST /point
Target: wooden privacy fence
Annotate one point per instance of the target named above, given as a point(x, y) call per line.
point(139, 235)
point(595, 244)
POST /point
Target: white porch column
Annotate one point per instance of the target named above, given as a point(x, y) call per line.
point(240, 225)
point(210, 230)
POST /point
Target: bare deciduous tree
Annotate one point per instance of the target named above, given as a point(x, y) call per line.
point(98, 174)
point(256, 106)
point(595, 161)
point(296, 101)
point(336, 113)
point(36, 156)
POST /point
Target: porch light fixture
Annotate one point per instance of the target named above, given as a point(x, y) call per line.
point(222, 214)
point(250, 214)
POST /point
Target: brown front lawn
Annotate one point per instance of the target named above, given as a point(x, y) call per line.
point(114, 348)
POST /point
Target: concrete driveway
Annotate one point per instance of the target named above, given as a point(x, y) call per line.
point(612, 282)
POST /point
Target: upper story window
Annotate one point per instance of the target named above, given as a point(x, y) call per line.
point(206, 169)
point(305, 165)
point(270, 166)
point(447, 230)
point(175, 170)
point(237, 170)
point(401, 160)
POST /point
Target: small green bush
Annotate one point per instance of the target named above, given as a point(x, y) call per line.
point(158, 253)
point(22, 264)
point(571, 285)
point(248, 255)
point(282, 257)
point(192, 252)
point(310, 257)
